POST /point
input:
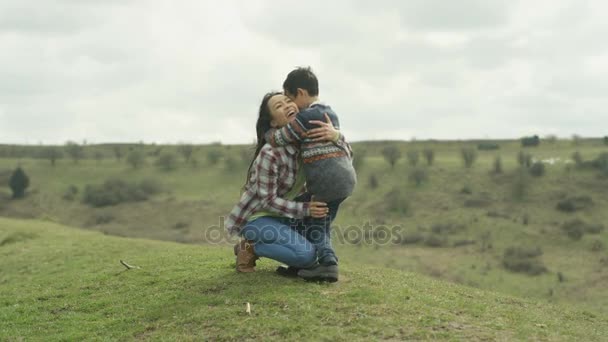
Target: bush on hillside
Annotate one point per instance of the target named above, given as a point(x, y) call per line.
point(167, 161)
point(429, 156)
point(51, 153)
point(418, 176)
point(433, 240)
point(373, 181)
point(70, 193)
point(359, 160)
point(531, 141)
point(214, 156)
point(574, 203)
point(74, 150)
point(523, 260)
point(391, 154)
point(469, 155)
point(412, 157)
point(18, 182)
point(537, 169)
point(116, 191)
point(136, 158)
point(575, 229)
point(488, 146)
point(186, 150)
point(497, 166)
point(396, 202)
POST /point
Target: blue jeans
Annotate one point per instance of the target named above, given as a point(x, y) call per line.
point(278, 238)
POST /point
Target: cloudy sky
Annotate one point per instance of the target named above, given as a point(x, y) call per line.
point(195, 71)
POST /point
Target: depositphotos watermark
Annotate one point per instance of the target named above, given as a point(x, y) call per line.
point(286, 231)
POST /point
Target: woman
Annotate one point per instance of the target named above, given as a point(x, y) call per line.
point(267, 215)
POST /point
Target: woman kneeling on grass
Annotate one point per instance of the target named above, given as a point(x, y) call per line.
point(268, 217)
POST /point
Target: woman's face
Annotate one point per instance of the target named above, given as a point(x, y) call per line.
point(282, 110)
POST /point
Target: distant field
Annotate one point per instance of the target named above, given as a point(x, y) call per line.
point(489, 216)
point(59, 283)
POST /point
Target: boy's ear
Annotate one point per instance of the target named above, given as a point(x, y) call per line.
point(301, 92)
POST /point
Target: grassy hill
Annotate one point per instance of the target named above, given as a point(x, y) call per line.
point(457, 225)
point(63, 283)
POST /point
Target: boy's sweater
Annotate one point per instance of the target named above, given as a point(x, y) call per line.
point(328, 167)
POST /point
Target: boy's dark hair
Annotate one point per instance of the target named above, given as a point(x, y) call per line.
point(304, 78)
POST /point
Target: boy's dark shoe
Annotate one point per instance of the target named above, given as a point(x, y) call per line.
point(329, 260)
point(320, 273)
point(291, 272)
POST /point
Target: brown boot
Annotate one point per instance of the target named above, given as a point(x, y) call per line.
point(245, 257)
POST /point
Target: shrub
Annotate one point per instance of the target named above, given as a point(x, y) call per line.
point(118, 153)
point(75, 151)
point(429, 156)
point(469, 156)
point(461, 243)
point(99, 156)
point(594, 228)
point(577, 157)
point(396, 202)
point(537, 169)
point(103, 218)
point(575, 203)
point(186, 151)
point(412, 157)
point(167, 161)
point(214, 156)
point(487, 146)
point(391, 154)
point(435, 241)
point(52, 154)
point(467, 189)
point(70, 193)
point(418, 176)
point(531, 141)
point(524, 159)
point(521, 184)
point(373, 181)
point(411, 238)
point(523, 260)
point(116, 191)
point(574, 229)
point(136, 158)
point(18, 182)
point(447, 228)
point(150, 186)
point(597, 246)
point(497, 166)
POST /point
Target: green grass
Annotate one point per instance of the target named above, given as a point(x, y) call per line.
point(59, 283)
point(197, 196)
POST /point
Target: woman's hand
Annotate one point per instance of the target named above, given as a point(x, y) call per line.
point(318, 209)
point(326, 132)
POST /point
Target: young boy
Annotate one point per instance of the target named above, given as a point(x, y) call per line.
point(330, 176)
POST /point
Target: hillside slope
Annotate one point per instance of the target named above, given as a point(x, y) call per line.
point(63, 283)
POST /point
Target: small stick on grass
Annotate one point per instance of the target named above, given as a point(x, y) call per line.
point(129, 267)
point(248, 308)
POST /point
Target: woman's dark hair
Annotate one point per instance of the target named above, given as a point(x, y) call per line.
point(261, 127)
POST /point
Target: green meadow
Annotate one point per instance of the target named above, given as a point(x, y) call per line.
point(464, 241)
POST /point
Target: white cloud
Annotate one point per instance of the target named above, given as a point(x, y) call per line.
point(196, 70)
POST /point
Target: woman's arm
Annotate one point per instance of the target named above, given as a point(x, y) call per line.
point(267, 187)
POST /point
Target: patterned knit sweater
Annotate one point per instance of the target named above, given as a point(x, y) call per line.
point(327, 165)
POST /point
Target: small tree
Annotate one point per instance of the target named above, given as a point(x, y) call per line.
point(530, 141)
point(99, 156)
point(52, 154)
point(412, 157)
point(186, 151)
point(429, 155)
point(118, 152)
point(167, 161)
point(74, 150)
point(537, 169)
point(469, 155)
point(497, 169)
point(391, 154)
point(214, 156)
point(418, 176)
point(577, 157)
point(136, 158)
point(373, 182)
point(18, 183)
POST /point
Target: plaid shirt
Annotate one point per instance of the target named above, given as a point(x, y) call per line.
point(273, 175)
